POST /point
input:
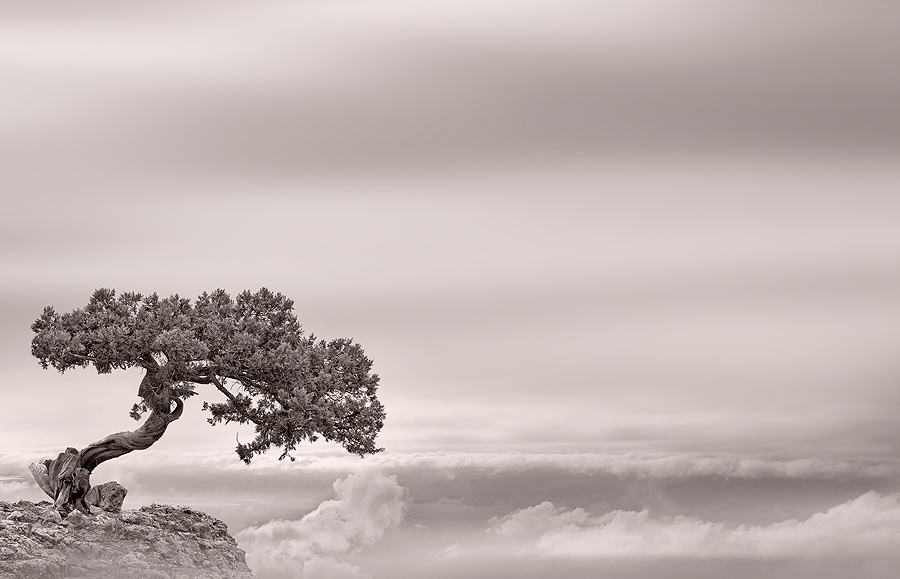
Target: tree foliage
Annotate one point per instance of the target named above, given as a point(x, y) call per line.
point(251, 349)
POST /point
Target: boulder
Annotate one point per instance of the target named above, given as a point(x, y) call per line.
point(109, 496)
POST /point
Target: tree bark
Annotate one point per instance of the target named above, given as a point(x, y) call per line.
point(66, 479)
point(115, 445)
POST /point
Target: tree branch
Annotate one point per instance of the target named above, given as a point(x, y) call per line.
point(149, 362)
point(247, 381)
point(230, 396)
point(223, 389)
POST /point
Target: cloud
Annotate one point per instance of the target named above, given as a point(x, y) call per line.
point(539, 519)
point(215, 469)
point(624, 465)
point(327, 568)
point(451, 552)
point(868, 526)
point(367, 504)
point(14, 490)
point(549, 78)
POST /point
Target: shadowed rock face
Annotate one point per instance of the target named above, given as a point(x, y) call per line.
point(155, 542)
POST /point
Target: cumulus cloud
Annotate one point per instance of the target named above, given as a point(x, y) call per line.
point(539, 519)
point(12, 490)
point(868, 526)
point(367, 504)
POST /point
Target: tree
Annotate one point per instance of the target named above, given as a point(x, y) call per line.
point(251, 350)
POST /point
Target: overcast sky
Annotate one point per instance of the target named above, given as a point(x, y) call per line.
point(570, 234)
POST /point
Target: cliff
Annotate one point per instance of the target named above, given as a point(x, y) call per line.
point(155, 542)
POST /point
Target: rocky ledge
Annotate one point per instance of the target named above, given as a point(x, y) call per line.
point(155, 542)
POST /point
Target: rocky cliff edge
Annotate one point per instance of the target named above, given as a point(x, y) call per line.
point(155, 542)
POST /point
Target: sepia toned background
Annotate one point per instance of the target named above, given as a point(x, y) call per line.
point(629, 271)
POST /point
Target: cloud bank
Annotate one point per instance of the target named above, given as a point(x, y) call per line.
point(868, 526)
point(12, 490)
point(624, 465)
point(366, 505)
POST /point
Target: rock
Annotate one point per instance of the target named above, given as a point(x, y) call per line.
point(109, 496)
point(51, 515)
point(155, 542)
point(134, 560)
point(76, 519)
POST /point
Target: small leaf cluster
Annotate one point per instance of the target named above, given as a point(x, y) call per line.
point(251, 349)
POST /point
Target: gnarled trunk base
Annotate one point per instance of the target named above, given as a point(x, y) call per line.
point(66, 479)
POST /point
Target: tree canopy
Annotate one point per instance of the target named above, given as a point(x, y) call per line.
point(251, 349)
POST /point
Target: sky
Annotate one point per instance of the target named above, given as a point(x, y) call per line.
point(628, 270)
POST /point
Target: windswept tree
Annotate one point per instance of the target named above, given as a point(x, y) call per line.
point(250, 352)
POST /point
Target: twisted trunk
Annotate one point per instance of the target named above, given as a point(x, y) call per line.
point(66, 479)
point(115, 445)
